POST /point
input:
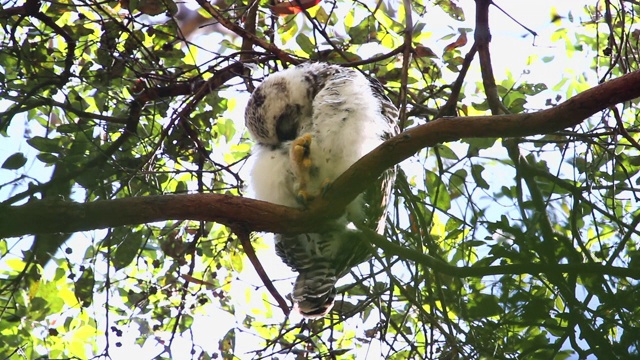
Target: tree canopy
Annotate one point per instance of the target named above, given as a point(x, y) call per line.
point(126, 226)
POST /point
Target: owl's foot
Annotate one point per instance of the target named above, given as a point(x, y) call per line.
point(300, 156)
point(300, 152)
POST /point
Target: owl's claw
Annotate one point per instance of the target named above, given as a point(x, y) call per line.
point(326, 185)
point(303, 198)
point(300, 155)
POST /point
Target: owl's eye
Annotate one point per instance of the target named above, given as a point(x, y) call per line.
point(287, 123)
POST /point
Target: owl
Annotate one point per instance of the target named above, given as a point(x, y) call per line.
point(310, 123)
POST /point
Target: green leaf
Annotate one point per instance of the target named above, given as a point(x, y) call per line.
point(305, 43)
point(38, 309)
point(446, 152)
point(45, 144)
point(451, 8)
point(438, 193)
point(483, 306)
point(84, 287)
point(476, 173)
point(127, 249)
point(227, 344)
point(73, 128)
point(477, 144)
point(237, 261)
point(362, 33)
point(47, 158)
point(227, 128)
point(14, 161)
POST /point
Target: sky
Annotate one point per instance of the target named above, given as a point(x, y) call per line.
point(511, 47)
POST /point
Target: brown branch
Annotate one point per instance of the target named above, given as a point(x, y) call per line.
point(449, 108)
point(247, 246)
point(250, 18)
point(52, 216)
point(375, 59)
point(622, 130)
point(482, 38)
point(514, 19)
point(60, 216)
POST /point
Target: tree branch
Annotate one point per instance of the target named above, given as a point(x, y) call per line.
point(245, 240)
point(59, 216)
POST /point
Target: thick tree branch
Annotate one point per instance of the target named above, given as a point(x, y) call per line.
point(50, 216)
point(59, 216)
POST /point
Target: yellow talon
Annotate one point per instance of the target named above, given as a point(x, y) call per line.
point(300, 150)
point(301, 161)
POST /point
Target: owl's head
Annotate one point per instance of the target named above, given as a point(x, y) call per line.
point(281, 105)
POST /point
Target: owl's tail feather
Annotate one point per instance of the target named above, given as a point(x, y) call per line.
point(314, 291)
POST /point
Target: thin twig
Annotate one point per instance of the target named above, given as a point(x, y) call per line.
point(512, 18)
point(406, 60)
point(245, 241)
point(237, 29)
point(622, 130)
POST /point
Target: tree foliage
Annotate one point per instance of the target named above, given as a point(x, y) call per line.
point(520, 240)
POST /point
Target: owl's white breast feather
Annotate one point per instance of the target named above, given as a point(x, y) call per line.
point(271, 177)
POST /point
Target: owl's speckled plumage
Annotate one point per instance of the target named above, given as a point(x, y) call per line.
point(337, 115)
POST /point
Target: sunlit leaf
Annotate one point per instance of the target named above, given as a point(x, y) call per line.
point(228, 343)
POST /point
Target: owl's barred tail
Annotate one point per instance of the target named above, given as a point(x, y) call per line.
point(314, 291)
point(320, 260)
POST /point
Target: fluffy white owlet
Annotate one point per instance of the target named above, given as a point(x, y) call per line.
point(310, 124)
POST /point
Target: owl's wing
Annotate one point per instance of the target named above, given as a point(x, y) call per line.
point(378, 195)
